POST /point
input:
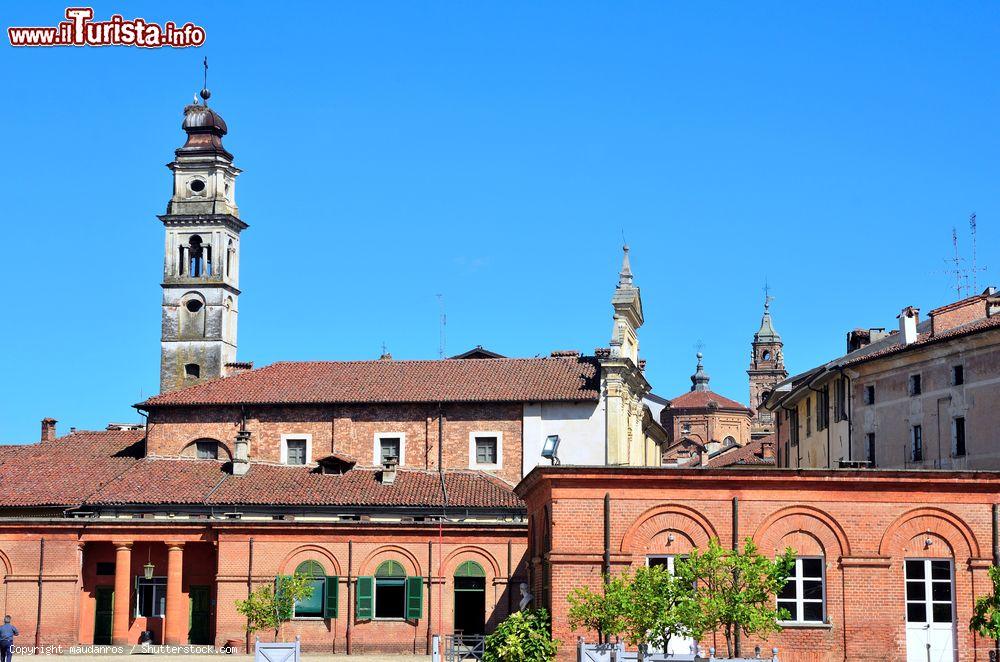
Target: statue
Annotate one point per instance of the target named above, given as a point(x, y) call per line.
point(526, 597)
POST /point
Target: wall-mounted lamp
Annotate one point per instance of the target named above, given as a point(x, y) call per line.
point(928, 542)
point(550, 449)
point(670, 538)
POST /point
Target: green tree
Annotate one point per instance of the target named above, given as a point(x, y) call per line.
point(735, 591)
point(986, 615)
point(269, 607)
point(522, 637)
point(657, 605)
point(597, 612)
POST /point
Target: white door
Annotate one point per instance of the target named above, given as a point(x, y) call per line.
point(930, 611)
point(684, 645)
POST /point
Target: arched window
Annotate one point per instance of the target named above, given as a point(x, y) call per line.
point(728, 442)
point(470, 599)
point(230, 251)
point(207, 449)
point(199, 258)
point(324, 592)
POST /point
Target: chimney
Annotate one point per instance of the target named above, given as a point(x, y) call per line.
point(48, 429)
point(389, 470)
point(236, 367)
point(767, 448)
point(908, 320)
point(241, 459)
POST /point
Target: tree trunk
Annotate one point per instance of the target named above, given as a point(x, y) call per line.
point(729, 640)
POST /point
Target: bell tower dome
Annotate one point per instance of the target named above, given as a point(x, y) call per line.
point(767, 368)
point(201, 266)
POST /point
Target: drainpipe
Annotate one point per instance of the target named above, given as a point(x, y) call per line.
point(996, 558)
point(41, 568)
point(736, 546)
point(510, 572)
point(350, 610)
point(430, 596)
point(607, 538)
point(249, 584)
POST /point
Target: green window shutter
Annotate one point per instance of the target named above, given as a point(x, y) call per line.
point(414, 597)
point(332, 595)
point(364, 601)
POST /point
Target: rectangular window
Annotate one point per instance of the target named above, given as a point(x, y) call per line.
point(929, 591)
point(804, 594)
point(207, 450)
point(958, 375)
point(959, 449)
point(870, 394)
point(296, 451)
point(150, 596)
point(388, 447)
point(840, 400)
point(917, 444)
point(486, 450)
point(870, 448)
point(823, 409)
point(915, 386)
point(809, 416)
point(105, 568)
point(390, 597)
point(793, 426)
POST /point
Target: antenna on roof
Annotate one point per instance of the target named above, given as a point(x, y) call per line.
point(956, 270)
point(443, 323)
point(975, 270)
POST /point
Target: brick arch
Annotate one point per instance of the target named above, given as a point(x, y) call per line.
point(949, 527)
point(452, 561)
point(223, 447)
point(309, 553)
point(390, 553)
point(671, 517)
point(5, 565)
point(815, 523)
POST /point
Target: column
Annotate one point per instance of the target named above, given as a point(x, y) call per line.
point(123, 592)
point(175, 626)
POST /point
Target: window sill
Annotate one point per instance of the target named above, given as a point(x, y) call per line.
point(805, 625)
point(308, 618)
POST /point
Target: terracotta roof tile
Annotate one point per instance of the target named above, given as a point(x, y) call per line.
point(701, 399)
point(748, 454)
point(64, 471)
point(184, 482)
point(924, 338)
point(483, 380)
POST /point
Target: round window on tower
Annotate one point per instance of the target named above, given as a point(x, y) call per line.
point(766, 355)
point(197, 185)
point(193, 305)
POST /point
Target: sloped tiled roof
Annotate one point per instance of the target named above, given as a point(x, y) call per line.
point(891, 345)
point(748, 454)
point(64, 471)
point(449, 380)
point(700, 399)
point(107, 468)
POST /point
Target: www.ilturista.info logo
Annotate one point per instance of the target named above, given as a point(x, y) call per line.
point(80, 30)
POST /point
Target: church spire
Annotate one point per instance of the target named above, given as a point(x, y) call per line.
point(625, 275)
point(699, 380)
point(767, 332)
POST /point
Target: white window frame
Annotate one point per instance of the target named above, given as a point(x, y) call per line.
point(156, 584)
point(800, 600)
point(473, 464)
point(377, 447)
point(285, 438)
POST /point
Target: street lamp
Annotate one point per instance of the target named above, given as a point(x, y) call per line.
point(147, 570)
point(550, 448)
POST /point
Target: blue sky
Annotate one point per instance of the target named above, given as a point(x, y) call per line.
point(494, 152)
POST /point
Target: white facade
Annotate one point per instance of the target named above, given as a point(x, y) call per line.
point(581, 428)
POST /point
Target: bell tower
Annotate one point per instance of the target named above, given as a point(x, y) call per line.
point(201, 266)
point(767, 368)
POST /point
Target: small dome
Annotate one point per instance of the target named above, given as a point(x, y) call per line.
point(198, 118)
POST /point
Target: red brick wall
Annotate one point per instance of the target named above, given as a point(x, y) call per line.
point(220, 558)
point(864, 527)
point(348, 429)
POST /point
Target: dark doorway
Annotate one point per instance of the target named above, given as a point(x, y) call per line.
point(104, 615)
point(470, 599)
point(201, 608)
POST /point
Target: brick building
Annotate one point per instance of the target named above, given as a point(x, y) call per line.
point(922, 396)
point(390, 482)
point(888, 562)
